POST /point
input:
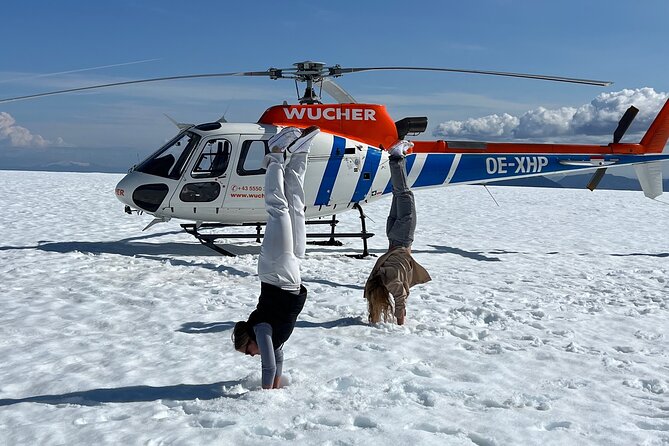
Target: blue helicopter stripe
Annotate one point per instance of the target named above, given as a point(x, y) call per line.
point(410, 159)
point(494, 167)
point(331, 171)
point(367, 174)
point(436, 174)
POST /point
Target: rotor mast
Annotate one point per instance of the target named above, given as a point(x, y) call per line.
point(309, 72)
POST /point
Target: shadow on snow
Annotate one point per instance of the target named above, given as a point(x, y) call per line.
point(478, 255)
point(133, 248)
point(132, 394)
point(217, 327)
point(468, 254)
point(128, 247)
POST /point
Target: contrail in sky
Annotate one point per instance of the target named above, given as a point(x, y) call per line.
point(78, 71)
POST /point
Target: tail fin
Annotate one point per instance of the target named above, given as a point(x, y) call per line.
point(658, 132)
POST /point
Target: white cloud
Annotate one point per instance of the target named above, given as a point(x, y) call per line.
point(542, 122)
point(22, 137)
point(599, 117)
point(492, 126)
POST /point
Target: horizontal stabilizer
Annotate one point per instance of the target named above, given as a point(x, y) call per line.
point(650, 178)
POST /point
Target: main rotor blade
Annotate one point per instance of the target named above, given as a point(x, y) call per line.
point(141, 81)
point(336, 71)
point(78, 70)
point(316, 73)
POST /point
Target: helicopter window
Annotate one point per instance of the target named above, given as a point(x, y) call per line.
point(169, 160)
point(200, 192)
point(213, 161)
point(251, 158)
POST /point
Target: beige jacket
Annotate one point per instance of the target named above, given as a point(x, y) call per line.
point(398, 272)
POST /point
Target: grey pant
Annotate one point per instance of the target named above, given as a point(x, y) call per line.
point(401, 222)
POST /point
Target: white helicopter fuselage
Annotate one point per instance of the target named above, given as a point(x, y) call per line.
point(213, 173)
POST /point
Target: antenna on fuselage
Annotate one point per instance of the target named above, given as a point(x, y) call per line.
point(490, 193)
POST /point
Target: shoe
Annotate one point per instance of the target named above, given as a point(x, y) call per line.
point(283, 139)
point(402, 318)
point(313, 128)
point(400, 148)
point(303, 143)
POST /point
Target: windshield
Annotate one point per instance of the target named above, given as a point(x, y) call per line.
point(170, 159)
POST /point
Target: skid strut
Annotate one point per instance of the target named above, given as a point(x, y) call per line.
point(209, 239)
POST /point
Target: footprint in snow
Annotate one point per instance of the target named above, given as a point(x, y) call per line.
point(433, 429)
point(624, 349)
point(332, 341)
point(654, 386)
point(422, 370)
point(557, 425)
point(367, 347)
point(477, 439)
point(213, 423)
point(364, 422)
point(662, 427)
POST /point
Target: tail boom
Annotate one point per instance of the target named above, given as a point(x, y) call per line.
point(652, 142)
point(522, 148)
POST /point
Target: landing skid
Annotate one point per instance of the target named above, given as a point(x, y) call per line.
point(209, 239)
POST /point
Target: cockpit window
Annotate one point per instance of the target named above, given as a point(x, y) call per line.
point(169, 160)
point(251, 158)
point(213, 161)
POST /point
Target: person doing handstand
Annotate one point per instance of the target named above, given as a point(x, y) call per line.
point(282, 295)
point(396, 271)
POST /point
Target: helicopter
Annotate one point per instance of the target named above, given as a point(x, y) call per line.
point(212, 173)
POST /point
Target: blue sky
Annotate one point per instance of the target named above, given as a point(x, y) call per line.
point(625, 42)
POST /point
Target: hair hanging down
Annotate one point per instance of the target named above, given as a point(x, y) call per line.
point(378, 302)
point(240, 335)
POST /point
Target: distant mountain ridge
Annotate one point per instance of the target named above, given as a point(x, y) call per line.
point(579, 181)
point(120, 160)
point(69, 159)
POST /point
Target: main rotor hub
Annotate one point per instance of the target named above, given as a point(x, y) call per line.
point(309, 72)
